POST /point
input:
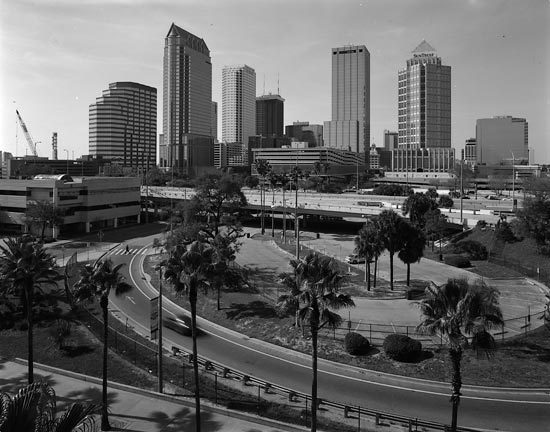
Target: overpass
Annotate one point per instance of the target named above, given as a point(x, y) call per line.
point(345, 205)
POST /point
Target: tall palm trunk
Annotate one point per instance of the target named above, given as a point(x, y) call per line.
point(262, 200)
point(375, 271)
point(104, 303)
point(391, 271)
point(193, 304)
point(456, 384)
point(367, 273)
point(30, 361)
point(408, 274)
point(314, 334)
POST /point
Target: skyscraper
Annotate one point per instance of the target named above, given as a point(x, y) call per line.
point(424, 100)
point(238, 104)
point(350, 125)
point(187, 101)
point(123, 125)
point(502, 138)
point(270, 115)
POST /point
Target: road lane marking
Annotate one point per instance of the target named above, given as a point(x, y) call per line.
point(335, 374)
point(131, 299)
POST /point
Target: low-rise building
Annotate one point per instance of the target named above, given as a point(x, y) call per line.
point(88, 204)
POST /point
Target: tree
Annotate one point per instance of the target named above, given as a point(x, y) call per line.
point(156, 177)
point(44, 214)
point(445, 201)
point(458, 310)
point(25, 267)
point(435, 224)
point(391, 235)
point(416, 206)
point(318, 280)
point(534, 219)
point(368, 245)
point(97, 281)
point(33, 409)
point(190, 269)
point(263, 168)
point(413, 247)
point(497, 183)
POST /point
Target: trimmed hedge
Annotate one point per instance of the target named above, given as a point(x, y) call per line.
point(402, 348)
point(356, 344)
point(457, 261)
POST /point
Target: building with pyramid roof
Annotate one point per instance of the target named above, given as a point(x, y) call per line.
point(424, 113)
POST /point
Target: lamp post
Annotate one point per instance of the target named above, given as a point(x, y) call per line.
point(461, 192)
point(159, 363)
point(513, 176)
point(67, 153)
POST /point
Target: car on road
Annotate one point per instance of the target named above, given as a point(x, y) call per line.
point(354, 259)
point(180, 324)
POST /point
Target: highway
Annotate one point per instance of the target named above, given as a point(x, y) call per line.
point(487, 408)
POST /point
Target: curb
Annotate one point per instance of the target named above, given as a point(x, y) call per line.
point(205, 406)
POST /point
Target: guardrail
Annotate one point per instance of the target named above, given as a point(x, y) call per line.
point(347, 410)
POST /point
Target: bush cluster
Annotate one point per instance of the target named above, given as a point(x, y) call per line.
point(402, 348)
point(459, 261)
point(474, 249)
point(356, 344)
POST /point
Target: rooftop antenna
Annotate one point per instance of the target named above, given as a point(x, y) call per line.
point(278, 92)
point(263, 94)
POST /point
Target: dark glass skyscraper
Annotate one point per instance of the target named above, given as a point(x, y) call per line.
point(123, 125)
point(187, 101)
point(270, 115)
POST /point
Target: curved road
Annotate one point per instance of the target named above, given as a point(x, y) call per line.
point(487, 408)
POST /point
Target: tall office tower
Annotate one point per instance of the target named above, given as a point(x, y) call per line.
point(214, 122)
point(123, 125)
point(187, 101)
point(238, 104)
point(390, 140)
point(424, 100)
point(270, 110)
point(502, 138)
point(350, 125)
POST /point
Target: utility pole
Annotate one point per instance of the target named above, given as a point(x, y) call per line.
point(461, 193)
point(513, 176)
point(159, 363)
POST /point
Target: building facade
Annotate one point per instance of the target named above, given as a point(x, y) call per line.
point(270, 112)
point(391, 141)
point(502, 138)
point(214, 122)
point(88, 204)
point(424, 101)
point(238, 103)
point(123, 125)
point(187, 102)
point(349, 128)
point(470, 152)
point(423, 160)
point(303, 131)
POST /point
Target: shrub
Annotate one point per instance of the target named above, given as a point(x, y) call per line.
point(504, 232)
point(474, 249)
point(402, 348)
point(459, 261)
point(481, 224)
point(445, 201)
point(356, 344)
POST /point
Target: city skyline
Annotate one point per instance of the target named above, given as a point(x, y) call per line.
point(69, 53)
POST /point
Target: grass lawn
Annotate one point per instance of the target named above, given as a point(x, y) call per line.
point(522, 362)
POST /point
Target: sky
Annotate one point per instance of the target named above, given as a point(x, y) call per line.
point(57, 56)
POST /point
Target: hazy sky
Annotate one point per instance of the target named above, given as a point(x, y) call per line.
point(56, 57)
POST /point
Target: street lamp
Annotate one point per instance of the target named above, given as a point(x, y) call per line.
point(513, 176)
point(159, 363)
point(67, 158)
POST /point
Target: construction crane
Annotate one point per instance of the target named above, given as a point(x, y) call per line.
point(30, 142)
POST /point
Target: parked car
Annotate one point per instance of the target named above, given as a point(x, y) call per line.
point(180, 324)
point(355, 259)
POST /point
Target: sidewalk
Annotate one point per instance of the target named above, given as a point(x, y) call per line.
point(133, 409)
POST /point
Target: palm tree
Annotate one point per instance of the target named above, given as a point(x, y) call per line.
point(391, 235)
point(97, 281)
point(189, 269)
point(24, 267)
point(263, 168)
point(368, 245)
point(458, 310)
point(284, 179)
point(318, 280)
point(33, 409)
point(413, 246)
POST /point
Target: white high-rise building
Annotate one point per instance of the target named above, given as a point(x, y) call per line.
point(238, 104)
